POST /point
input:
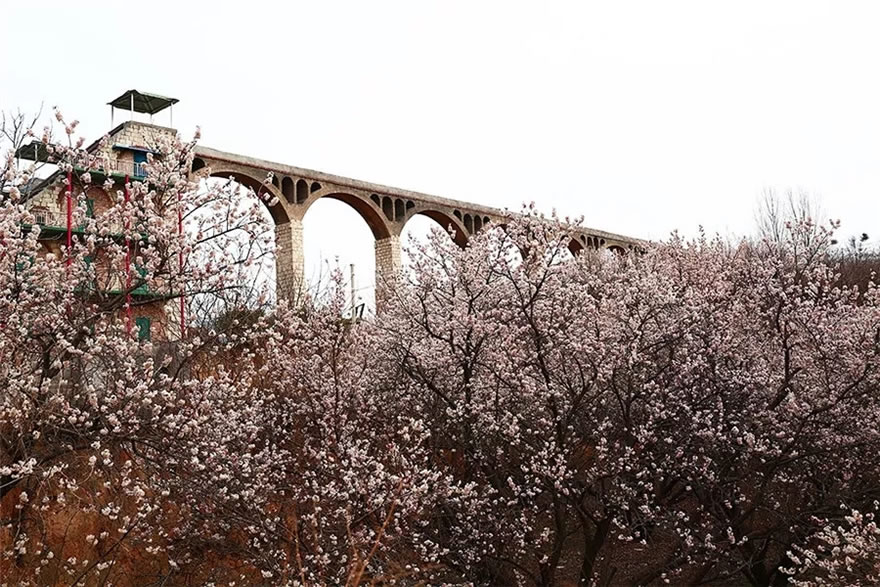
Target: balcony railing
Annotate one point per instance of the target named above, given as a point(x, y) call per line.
point(36, 151)
point(47, 218)
point(53, 220)
point(58, 221)
point(117, 167)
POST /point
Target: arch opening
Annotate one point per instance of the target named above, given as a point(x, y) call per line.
point(277, 212)
point(421, 228)
point(365, 210)
point(287, 190)
point(468, 223)
point(337, 233)
point(560, 254)
point(302, 191)
point(258, 276)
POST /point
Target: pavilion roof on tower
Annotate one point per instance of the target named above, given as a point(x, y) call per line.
point(142, 102)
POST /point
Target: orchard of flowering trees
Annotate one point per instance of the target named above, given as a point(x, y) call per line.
point(698, 413)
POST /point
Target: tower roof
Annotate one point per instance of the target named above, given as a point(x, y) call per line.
point(142, 102)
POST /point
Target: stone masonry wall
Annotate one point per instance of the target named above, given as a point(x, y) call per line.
point(163, 315)
point(132, 134)
point(388, 261)
point(289, 259)
point(138, 134)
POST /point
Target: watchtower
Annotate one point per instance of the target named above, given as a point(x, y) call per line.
point(122, 160)
point(134, 139)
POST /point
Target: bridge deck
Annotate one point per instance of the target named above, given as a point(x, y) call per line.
point(281, 169)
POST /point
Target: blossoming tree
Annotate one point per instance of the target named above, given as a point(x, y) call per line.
point(695, 412)
point(88, 413)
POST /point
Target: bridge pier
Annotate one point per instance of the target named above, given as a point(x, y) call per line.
point(388, 262)
point(289, 260)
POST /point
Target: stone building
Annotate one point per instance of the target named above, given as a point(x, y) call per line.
point(124, 157)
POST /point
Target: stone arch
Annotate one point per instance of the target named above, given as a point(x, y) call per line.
point(445, 221)
point(363, 207)
point(278, 213)
point(617, 249)
point(576, 246)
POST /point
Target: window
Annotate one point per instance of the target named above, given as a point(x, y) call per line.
point(143, 327)
point(95, 201)
point(89, 261)
point(41, 215)
point(139, 159)
point(24, 264)
point(90, 284)
point(142, 276)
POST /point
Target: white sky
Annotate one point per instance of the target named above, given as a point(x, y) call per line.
point(642, 116)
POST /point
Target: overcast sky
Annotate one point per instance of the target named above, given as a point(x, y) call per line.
point(643, 116)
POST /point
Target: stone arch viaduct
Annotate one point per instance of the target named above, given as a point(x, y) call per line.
point(386, 211)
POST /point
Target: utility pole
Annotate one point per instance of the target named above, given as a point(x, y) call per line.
point(353, 289)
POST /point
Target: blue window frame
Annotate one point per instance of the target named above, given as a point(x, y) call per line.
point(143, 327)
point(142, 276)
point(139, 158)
